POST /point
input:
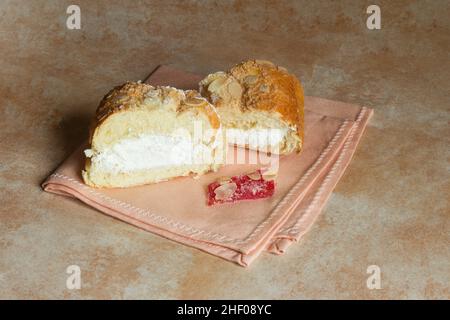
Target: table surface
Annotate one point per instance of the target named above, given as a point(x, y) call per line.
point(391, 208)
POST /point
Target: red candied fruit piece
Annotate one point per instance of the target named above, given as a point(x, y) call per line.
point(249, 186)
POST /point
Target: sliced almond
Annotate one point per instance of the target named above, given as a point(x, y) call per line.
point(225, 191)
point(235, 89)
point(250, 79)
point(254, 175)
point(215, 85)
point(194, 102)
point(152, 93)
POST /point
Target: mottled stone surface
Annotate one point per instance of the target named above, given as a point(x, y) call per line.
point(390, 209)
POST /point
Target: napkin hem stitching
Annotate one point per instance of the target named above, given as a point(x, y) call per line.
point(294, 229)
point(146, 213)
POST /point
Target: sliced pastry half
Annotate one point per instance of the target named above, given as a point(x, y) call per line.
point(144, 134)
point(260, 106)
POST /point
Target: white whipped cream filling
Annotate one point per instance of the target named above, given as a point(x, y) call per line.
point(255, 138)
point(150, 151)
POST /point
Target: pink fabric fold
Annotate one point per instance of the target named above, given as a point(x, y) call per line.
point(237, 232)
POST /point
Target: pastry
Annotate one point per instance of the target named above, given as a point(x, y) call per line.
point(144, 134)
point(260, 106)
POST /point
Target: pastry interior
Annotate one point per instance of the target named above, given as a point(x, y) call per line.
point(144, 134)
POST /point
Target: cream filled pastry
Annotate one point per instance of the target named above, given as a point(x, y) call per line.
point(260, 106)
point(144, 134)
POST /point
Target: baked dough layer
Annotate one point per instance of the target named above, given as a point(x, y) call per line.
point(256, 95)
point(144, 134)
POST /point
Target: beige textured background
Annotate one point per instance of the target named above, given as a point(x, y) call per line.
point(391, 207)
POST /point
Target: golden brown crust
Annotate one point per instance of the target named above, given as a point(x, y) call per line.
point(121, 98)
point(263, 86)
point(133, 94)
point(271, 88)
point(195, 100)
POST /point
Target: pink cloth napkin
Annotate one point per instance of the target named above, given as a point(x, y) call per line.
point(236, 232)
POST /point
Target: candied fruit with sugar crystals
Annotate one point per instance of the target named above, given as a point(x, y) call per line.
point(250, 186)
